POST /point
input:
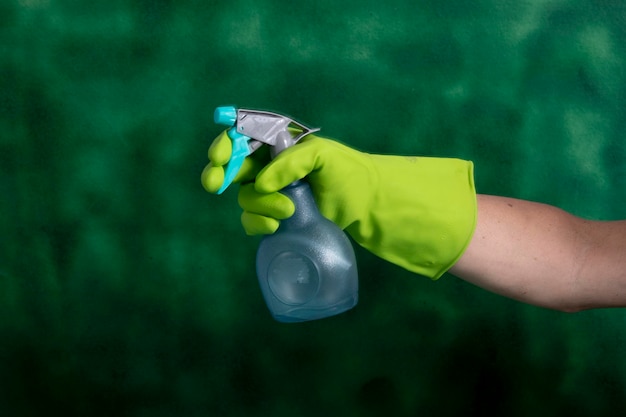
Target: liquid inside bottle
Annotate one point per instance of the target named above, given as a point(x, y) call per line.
point(307, 269)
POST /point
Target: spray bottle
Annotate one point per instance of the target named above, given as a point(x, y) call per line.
point(307, 268)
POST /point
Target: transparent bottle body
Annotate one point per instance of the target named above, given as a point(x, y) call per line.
point(307, 270)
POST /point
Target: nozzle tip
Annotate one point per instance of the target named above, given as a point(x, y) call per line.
point(225, 115)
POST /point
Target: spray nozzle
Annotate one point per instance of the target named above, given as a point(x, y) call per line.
point(250, 129)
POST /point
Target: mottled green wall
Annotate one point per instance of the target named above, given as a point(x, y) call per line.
point(127, 290)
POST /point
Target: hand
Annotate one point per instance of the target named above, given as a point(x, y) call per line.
point(416, 212)
point(219, 155)
point(272, 207)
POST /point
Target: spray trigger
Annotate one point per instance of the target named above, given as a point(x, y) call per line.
point(251, 129)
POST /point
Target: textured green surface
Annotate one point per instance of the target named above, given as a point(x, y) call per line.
point(126, 290)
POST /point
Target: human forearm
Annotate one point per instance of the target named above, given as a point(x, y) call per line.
point(541, 255)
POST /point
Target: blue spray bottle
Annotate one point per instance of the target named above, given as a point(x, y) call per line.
point(307, 269)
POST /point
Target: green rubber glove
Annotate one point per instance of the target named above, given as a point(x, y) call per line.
point(270, 207)
point(416, 212)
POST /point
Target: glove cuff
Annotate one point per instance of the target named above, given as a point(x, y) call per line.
point(427, 208)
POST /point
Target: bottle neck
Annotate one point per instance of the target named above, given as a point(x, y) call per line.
point(306, 210)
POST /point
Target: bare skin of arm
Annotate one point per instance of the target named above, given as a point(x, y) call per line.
point(541, 255)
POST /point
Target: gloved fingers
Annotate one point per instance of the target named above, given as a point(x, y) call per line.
point(275, 205)
point(252, 165)
point(220, 150)
point(291, 165)
point(256, 224)
point(212, 178)
point(219, 154)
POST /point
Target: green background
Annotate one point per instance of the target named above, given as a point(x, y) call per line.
point(127, 290)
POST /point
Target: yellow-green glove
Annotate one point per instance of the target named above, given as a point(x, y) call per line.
point(416, 212)
point(271, 207)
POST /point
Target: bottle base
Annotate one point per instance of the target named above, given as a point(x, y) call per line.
point(300, 314)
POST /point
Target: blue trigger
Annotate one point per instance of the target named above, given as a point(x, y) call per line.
point(239, 153)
